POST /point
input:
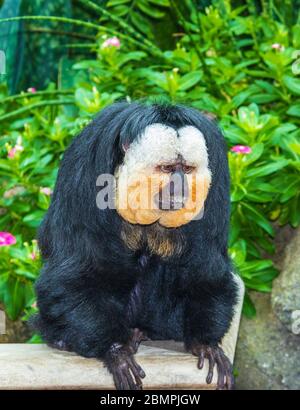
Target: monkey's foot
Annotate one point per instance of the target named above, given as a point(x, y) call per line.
point(120, 361)
point(215, 356)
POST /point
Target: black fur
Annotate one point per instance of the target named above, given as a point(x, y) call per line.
point(93, 288)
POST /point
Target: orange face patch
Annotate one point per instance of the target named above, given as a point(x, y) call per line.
point(145, 184)
point(135, 198)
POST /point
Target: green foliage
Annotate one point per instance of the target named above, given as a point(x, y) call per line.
point(137, 13)
point(239, 63)
point(19, 269)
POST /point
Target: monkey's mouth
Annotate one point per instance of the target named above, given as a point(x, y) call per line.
point(169, 204)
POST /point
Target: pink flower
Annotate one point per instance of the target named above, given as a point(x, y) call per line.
point(241, 149)
point(12, 152)
point(47, 191)
point(34, 305)
point(33, 256)
point(7, 239)
point(111, 42)
point(31, 90)
point(277, 46)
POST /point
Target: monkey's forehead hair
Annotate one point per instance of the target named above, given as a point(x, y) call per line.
point(122, 123)
point(141, 115)
point(160, 143)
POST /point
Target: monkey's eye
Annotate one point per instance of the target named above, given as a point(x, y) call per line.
point(187, 169)
point(167, 169)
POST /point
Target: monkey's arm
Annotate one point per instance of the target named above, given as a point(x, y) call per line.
point(207, 317)
point(86, 315)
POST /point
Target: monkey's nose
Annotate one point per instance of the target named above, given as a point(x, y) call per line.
point(174, 195)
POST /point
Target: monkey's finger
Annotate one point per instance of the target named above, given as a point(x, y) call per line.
point(121, 375)
point(201, 360)
point(135, 374)
point(221, 369)
point(229, 377)
point(211, 362)
point(117, 381)
point(228, 371)
point(137, 367)
point(134, 382)
point(221, 378)
point(230, 381)
point(125, 381)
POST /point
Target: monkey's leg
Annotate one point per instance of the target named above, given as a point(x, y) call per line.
point(216, 357)
point(121, 363)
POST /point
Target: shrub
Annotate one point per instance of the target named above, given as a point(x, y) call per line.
point(238, 63)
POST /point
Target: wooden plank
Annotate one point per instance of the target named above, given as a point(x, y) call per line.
point(166, 364)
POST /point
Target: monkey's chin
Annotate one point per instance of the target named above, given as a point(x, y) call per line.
point(167, 219)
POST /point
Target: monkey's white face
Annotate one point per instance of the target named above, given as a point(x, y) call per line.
point(164, 177)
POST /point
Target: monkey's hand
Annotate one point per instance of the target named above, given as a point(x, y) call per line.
point(215, 356)
point(121, 363)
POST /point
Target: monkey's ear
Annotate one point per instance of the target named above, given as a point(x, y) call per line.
point(125, 146)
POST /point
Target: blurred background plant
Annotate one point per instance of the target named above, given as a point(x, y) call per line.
point(66, 60)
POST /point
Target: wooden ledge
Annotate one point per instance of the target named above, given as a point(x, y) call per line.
point(166, 364)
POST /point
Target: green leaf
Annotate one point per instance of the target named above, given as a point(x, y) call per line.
point(292, 83)
point(34, 219)
point(294, 110)
point(189, 80)
point(133, 56)
point(148, 10)
point(258, 285)
point(257, 151)
point(234, 232)
point(237, 194)
point(26, 274)
point(112, 3)
point(141, 23)
point(6, 165)
point(162, 3)
point(259, 197)
point(248, 307)
point(255, 216)
point(20, 207)
point(267, 276)
point(295, 212)
point(256, 266)
point(35, 339)
point(121, 10)
point(290, 191)
point(12, 294)
point(267, 169)
point(263, 98)
point(238, 252)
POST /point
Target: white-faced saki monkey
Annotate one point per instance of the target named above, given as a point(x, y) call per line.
point(153, 262)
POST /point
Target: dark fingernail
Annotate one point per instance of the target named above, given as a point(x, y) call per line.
point(209, 378)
